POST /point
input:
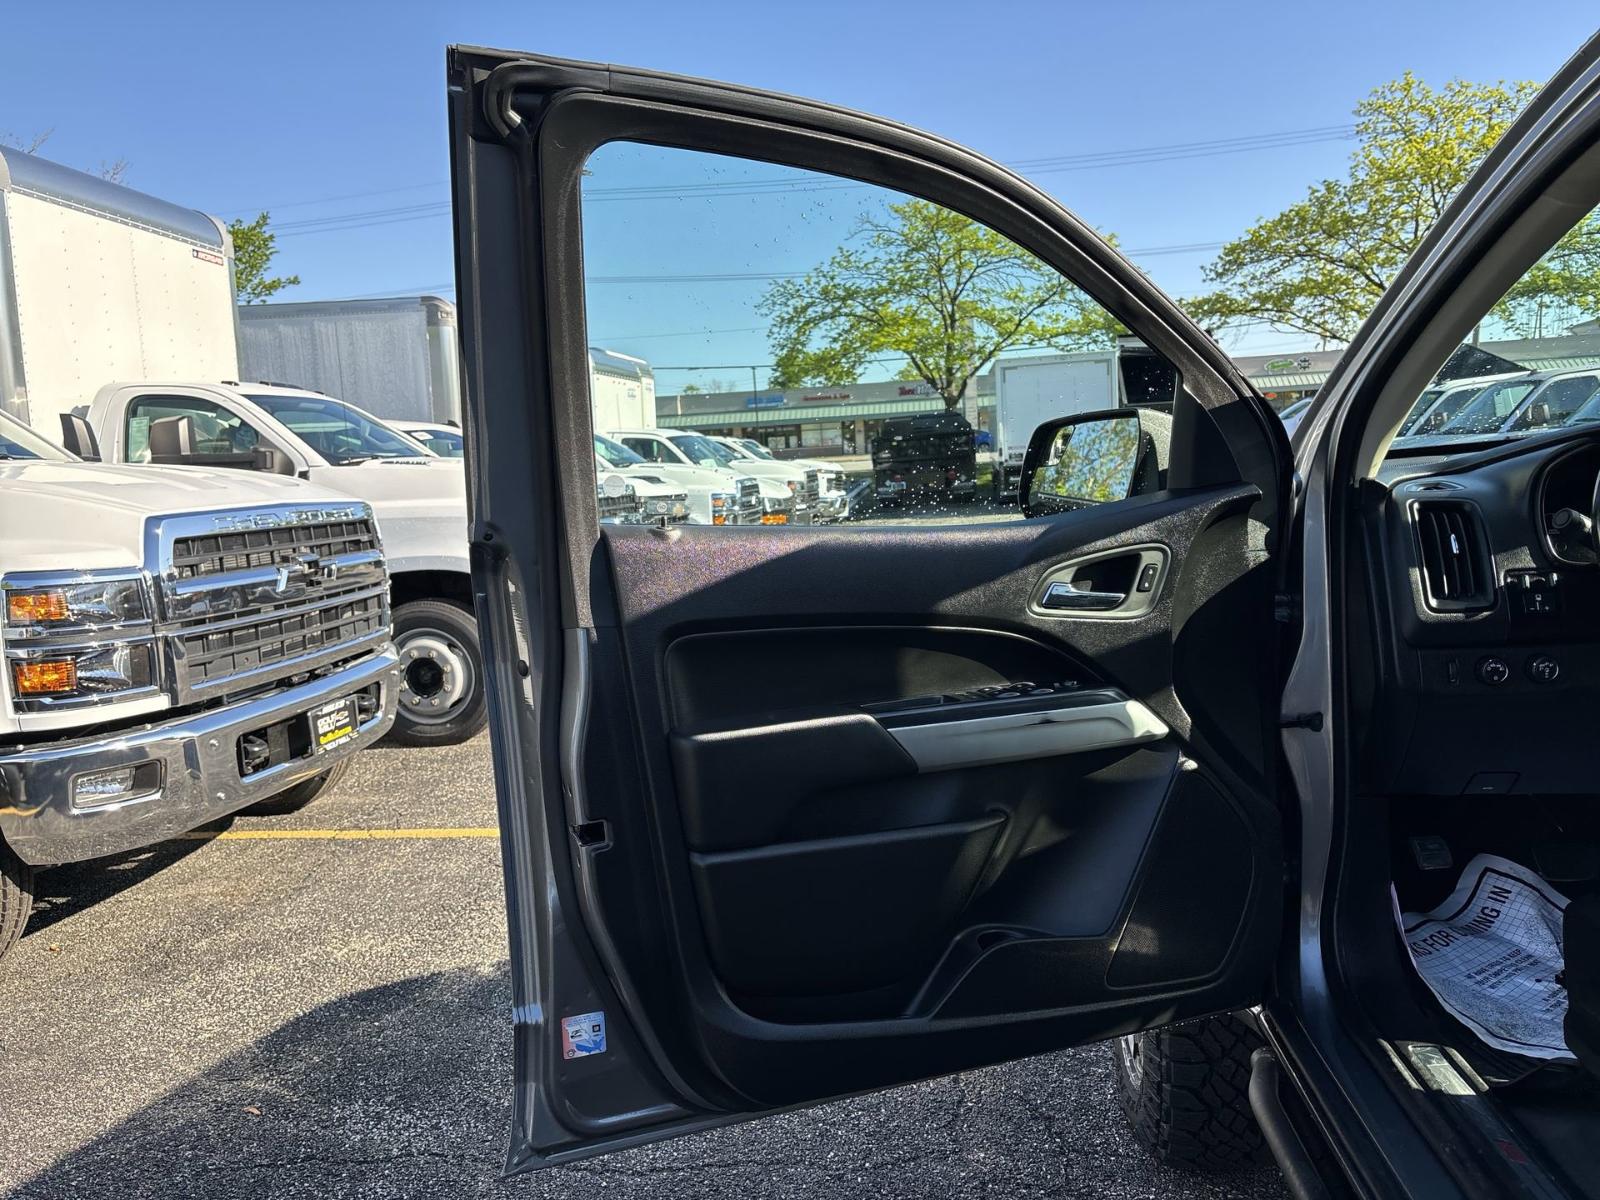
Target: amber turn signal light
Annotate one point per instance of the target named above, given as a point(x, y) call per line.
point(45, 677)
point(33, 607)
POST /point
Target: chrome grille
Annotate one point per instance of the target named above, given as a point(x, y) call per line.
point(219, 553)
point(748, 507)
point(812, 489)
point(234, 648)
point(248, 597)
point(614, 507)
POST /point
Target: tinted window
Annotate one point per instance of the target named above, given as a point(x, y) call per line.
point(615, 453)
point(1556, 402)
point(1490, 407)
point(336, 431)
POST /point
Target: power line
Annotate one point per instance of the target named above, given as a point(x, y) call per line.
point(410, 187)
point(801, 184)
point(809, 182)
point(761, 276)
point(890, 360)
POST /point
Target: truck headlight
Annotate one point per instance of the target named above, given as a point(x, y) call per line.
point(76, 638)
point(722, 507)
point(76, 674)
point(38, 611)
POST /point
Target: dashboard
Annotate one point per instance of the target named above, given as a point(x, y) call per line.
point(1485, 589)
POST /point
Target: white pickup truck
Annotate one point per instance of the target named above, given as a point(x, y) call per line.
point(419, 500)
point(179, 645)
point(694, 460)
point(714, 496)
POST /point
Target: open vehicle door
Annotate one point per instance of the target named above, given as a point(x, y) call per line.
point(775, 829)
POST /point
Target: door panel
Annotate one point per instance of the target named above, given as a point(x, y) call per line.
point(773, 819)
point(842, 904)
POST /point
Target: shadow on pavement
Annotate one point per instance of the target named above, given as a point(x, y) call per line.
point(404, 1090)
point(400, 1090)
point(61, 892)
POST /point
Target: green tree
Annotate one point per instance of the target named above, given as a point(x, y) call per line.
point(254, 246)
point(1561, 289)
point(932, 286)
point(1321, 264)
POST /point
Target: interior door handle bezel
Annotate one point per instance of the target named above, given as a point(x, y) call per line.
point(1061, 595)
point(1058, 583)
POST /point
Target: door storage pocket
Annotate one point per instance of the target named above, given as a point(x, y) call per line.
point(839, 914)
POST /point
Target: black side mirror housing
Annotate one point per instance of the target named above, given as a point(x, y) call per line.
point(272, 460)
point(78, 437)
point(1095, 458)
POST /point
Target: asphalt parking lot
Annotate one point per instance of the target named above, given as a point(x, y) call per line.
point(299, 1008)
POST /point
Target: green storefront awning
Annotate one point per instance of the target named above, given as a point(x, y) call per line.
point(1278, 383)
point(794, 414)
point(1560, 364)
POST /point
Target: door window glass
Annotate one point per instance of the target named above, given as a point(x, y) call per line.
point(824, 350)
point(1556, 402)
point(339, 433)
point(217, 430)
point(649, 449)
point(1529, 366)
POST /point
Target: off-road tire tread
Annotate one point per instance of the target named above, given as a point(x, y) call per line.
point(16, 898)
point(1191, 1107)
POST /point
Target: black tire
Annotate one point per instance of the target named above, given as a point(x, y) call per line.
point(439, 705)
point(1185, 1092)
point(16, 898)
point(297, 796)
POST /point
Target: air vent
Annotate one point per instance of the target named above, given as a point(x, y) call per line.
point(1457, 571)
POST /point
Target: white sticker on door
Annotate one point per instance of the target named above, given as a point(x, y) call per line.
point(582, 1035)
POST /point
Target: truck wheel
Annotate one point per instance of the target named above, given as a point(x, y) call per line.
point(1185, 1091)
point(441, 686)
point(297, 796)
point(16, 898)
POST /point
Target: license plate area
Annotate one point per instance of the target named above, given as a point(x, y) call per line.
point(318, 730)
point(333, 723)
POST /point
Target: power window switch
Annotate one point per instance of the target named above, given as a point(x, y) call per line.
point(1147, 577)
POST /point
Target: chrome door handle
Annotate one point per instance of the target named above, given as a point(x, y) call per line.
point(1064, 595)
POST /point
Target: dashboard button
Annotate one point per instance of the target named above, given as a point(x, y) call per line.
point(1541, 668)
point(1493, 671)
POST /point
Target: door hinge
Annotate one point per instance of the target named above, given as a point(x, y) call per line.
point(1311, 721)
point(1285, 608)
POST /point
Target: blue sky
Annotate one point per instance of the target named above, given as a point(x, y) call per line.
point(336, 110)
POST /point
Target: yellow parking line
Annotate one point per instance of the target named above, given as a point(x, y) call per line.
point(337, 835)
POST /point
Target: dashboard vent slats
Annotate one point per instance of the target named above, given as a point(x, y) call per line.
point(1457, 572)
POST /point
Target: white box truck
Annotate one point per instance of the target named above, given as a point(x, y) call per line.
point(1029, 391)
point(622, 389)
point(120, 306)
point(100, 282)
point(394, 358)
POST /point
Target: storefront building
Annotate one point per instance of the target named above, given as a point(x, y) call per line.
point(841, 421)
point(819, 422)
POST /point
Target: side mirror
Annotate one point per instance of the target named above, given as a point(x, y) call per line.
point(1095, 458)
point(1538, 413)
point(272, 461)
point(78, 437)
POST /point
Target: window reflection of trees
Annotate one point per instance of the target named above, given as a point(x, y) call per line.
point(1093, 461)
